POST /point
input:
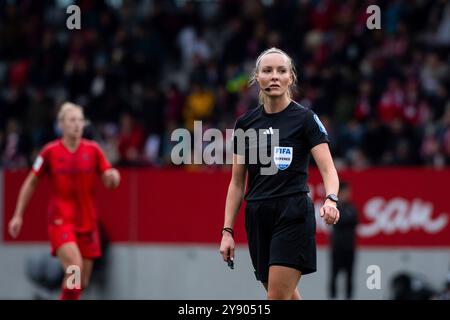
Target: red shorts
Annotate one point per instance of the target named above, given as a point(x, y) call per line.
point(88, 242)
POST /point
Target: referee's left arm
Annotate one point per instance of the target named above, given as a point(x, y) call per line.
point(324, 161)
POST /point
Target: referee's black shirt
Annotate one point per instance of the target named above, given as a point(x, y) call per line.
point(299, 131)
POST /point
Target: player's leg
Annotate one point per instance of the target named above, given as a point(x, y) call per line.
point(282, 283)
point(69, 255)
point(295, 296)
point(87, 271)
point(90, 249)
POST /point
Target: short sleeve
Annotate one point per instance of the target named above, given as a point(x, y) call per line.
point(238, 144)
point(40, 165)
point(315, 131)
point(103, 163)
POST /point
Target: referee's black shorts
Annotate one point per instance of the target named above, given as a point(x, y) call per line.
point(281, 231)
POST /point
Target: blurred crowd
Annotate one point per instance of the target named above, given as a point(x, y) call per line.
point(143, 68)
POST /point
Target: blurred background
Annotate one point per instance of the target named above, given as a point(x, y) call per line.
point(143, 68)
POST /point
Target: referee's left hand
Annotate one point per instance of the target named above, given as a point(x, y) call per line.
point(329, 212)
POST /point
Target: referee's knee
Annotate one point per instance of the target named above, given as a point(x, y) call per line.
point(274, 294)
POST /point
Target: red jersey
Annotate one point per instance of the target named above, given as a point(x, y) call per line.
point(72, 178)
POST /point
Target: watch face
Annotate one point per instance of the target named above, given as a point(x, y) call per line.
point(333, 197)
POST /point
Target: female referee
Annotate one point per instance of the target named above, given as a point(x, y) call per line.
point(279, 216)
point(72, 164)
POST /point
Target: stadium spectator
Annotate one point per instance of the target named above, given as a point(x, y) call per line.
point(123, 61)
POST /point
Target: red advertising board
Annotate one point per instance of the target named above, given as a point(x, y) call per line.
point(397, 207)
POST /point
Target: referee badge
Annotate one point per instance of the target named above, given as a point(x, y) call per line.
point(282, 157)
point(320, 124)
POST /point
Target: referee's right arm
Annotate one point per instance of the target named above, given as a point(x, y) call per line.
point(235, 196)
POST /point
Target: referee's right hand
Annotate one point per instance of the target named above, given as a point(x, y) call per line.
point(227, 247)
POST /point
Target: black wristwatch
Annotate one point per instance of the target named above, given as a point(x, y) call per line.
point(333, 198)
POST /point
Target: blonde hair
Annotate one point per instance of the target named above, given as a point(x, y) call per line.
point(66, 106)
point(291, 69)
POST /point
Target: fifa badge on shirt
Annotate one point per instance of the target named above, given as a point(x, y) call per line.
point(282, 157)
